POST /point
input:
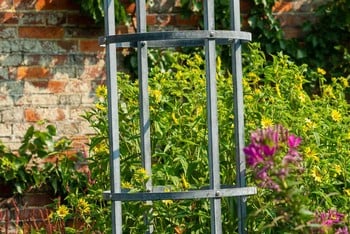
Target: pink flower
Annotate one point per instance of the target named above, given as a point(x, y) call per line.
point(293, 141)
point(343, 230)
point(253, 155)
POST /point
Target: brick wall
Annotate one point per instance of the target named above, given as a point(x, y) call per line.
point(50, 62)
point(293, 13)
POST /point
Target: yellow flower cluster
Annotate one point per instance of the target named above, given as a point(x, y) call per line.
point(141, 175)
point(315, 173)
point(338, 170)
point(321, 71)
point(157, 95)
point(328, 91)
point(266, 122)
point(101, 91)
point(311, 154)
point(336, 116)
point(184, 182)
point(83, 206)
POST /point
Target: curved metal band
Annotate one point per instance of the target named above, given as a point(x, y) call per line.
point(194, 194)
point(175, 38)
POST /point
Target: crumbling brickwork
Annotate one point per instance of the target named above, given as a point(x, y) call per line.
point(50, 61)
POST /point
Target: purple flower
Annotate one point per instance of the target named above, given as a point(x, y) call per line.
point(268, 150)
point(253, 155)
point(343, 230)
point(329, 218)
point(293, 141)
point(264, 153)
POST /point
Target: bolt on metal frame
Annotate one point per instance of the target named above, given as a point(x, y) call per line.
point(208, 38)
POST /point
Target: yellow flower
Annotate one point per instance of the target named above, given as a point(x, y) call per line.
point(321, 71)
point(338, 170)
point(50, 217)
point(100, 106)
point(309, 153)
point(62, 211)
point(336, 116)
point(176, 121)
point(315, 173)
point(249, 98)
point(245, 84)
point(168, 202)
point(309, 124)
point(257, 91)
point(278, 91)
point(266, 122)
point(185, 184)
point(253, 77)
point(127, 185)
point(199, 110)
point(347, 191)
point(83, 206)
point(157, 94)
point(101, 91)
point(344, 82)
point(302, 97)
point(328, 91)
point(141, 175)
point(101, 148)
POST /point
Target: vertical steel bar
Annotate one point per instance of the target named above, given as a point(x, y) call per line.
point(113, 122)
point(239, 114)
point(213, 132)
point(144, 98)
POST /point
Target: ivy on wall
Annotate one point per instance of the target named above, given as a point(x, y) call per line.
point(95, 8)
point(326, 43)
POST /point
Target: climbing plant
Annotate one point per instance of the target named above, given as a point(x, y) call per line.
point(325, 44)
point(95, 9)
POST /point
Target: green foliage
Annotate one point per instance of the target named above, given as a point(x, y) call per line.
point(274, 94)
point(95, 8)
point(41, 163)
point(264, 27)
point(324, 45)
point(327, 41)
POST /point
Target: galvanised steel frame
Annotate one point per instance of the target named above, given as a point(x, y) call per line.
point(207, 38)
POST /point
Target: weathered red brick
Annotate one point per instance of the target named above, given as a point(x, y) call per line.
point(282, 6)
point(90, 46)
point(40, 84)
point(41, 32)
point(78, 19)
point(30, 115)
point(8, 17)
point(35, 72)
point(245, 6)
point(292, 32)
point(91, 32)
point(45, 5)
point(193, 20)
point(292, 20)
point(151, 19)
point(56, 5)
point(130, 8)
point(68, 45)
point(56, 86)
point(60, 115)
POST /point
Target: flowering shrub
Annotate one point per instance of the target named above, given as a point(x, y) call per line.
point(275, 161)
point(303, 177)
point(268, 163)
